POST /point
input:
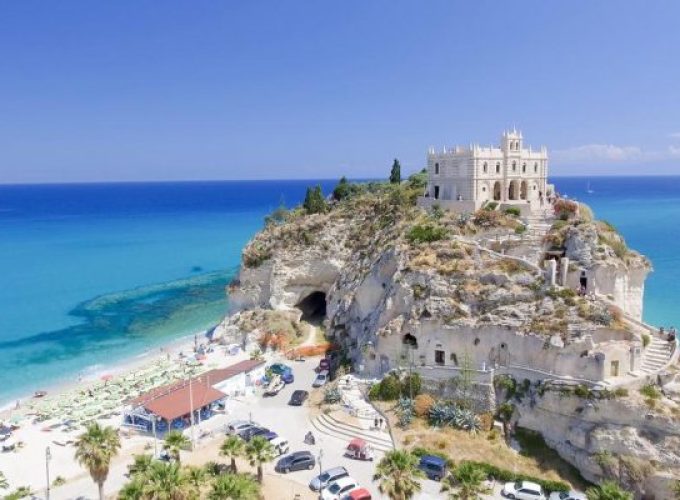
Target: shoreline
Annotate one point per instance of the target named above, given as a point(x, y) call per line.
point(93, 374)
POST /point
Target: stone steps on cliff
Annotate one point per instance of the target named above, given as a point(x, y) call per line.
point(330, 426)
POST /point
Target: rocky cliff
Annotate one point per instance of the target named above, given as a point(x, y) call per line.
point(393, 280)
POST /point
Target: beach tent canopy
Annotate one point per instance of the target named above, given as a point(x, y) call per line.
point(178, 402)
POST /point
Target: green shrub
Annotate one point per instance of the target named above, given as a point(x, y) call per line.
point(650, 391)
point(520, 229)
point(514, 211)
point(505, 475)
point(582, 391)
point(505, 411)
point(491, 206)
point(418, 180)
point(374, 392)
point(621, 392)
point(410, 383)
point(426, 233)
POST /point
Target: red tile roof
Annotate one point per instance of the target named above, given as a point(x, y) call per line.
point(179, 402)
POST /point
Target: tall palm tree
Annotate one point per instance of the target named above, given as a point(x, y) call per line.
point(608, 490)
point(259, 451)
point(468, 481)
point(233, 447)
point(235, 487)
point(167, 481)
point(196, 477)
point(398, 474)
point(174, 442)
point(95, 449)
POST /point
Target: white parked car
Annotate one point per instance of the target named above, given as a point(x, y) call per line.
point(280, 445)
point(523, 490)
point(568, 495)
point(321, 379)
point(236, 426)
point(337, 489)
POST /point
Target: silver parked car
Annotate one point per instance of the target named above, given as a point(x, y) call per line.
point(326, 477)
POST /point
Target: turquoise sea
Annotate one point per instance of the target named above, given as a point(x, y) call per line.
point(91, 274)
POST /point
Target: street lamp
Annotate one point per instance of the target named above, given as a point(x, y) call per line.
point(48, 457)
point(320, 472)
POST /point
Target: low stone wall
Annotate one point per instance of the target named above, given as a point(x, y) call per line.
point(446, 383)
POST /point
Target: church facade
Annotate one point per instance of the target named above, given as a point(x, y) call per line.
point(467, 178)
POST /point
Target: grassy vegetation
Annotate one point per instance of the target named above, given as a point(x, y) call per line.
point(483, 447)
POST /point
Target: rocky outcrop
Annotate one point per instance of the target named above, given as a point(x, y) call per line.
point(435, 291)
point(621, 437)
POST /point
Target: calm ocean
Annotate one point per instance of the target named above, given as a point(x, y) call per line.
point(92, 274)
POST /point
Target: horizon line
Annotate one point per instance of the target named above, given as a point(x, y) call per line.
point(290, 179)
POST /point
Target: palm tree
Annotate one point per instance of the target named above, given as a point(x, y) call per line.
point(398, 474)
point(608, 490)
point(174, 442)
point(468, 480)
point(196, 477)
point(233, 447)
point(235, 487)
point(134, 490)
point(166, 481)
point(141, 465)
point(95, 449)
point(19, 493)
point(259, 451)
point(3, 481)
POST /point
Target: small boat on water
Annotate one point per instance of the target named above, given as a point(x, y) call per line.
point(589, 189)
point(39, 394)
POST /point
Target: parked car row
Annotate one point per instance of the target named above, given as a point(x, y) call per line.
point(435, 468)
point(337, 484)
point(247, 430)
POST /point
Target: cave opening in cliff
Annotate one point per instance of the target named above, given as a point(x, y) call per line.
point(313, 307)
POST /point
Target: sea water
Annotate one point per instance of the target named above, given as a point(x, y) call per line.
point(91, 274)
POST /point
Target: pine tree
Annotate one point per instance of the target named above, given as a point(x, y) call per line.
point(314, 202)
point(395, 173)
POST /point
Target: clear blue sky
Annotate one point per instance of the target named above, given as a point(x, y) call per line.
point(167, 90)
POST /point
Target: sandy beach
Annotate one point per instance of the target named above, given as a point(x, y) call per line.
point(58, 418)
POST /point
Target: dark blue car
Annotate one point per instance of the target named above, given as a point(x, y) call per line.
point(433, 467)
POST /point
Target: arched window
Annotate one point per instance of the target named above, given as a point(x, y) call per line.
point(436, 168)
point(498, 167)
point(536, 167)
point(524, 168)
point(485, 167)
point(514, 166)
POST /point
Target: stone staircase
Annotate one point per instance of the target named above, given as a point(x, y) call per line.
point(538, 225)
point(332, 426)
point(656, 355)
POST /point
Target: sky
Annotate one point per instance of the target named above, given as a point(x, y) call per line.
point(190, 90)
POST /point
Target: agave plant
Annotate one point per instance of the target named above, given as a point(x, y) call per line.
point(468, 421)
point(438, 414)
point(405, 404)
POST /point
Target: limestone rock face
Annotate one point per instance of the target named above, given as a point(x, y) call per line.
point(605, 438)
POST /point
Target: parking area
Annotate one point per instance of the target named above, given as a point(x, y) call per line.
point(293, 422)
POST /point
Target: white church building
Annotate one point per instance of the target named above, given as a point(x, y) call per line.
point(466, 178)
